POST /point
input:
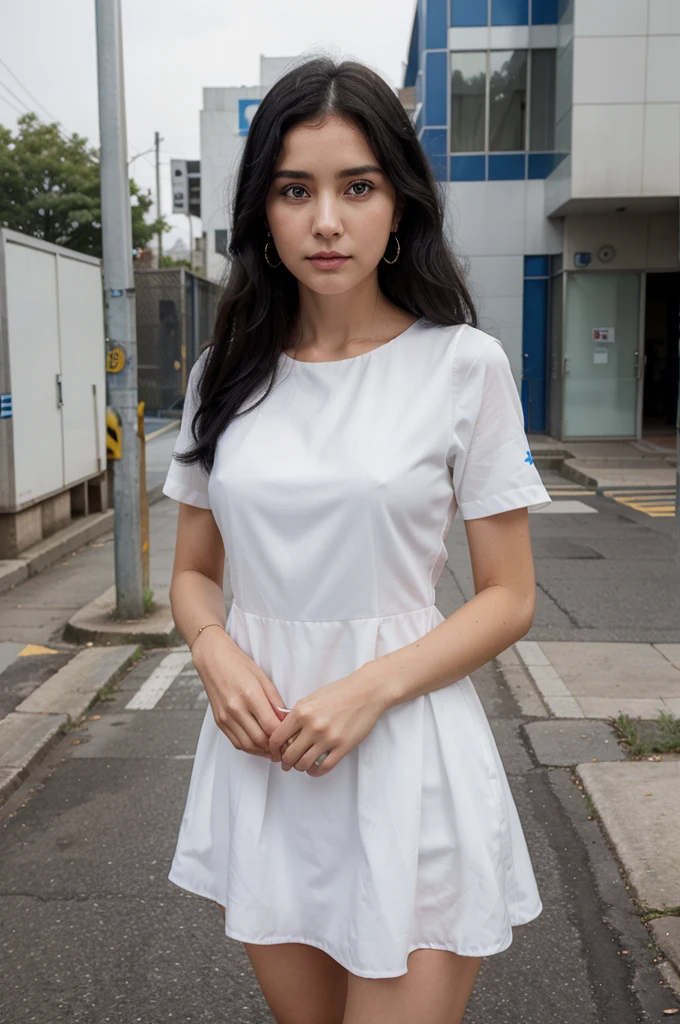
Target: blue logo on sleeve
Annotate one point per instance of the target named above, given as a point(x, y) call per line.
point(529, 459)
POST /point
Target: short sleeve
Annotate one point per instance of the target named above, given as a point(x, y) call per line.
point(188, 482)
point(493, 469)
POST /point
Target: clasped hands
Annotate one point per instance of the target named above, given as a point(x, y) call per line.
point(245, 702)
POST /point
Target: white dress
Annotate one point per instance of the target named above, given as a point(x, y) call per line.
point(334, 499)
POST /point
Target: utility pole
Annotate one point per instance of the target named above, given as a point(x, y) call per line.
point(157, 142)
point(119, 304)
point(677, 422)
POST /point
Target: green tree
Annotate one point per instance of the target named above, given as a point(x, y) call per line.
point(49, 188)
point(168, 261)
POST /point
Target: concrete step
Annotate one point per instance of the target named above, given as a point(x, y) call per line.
point(638, 474)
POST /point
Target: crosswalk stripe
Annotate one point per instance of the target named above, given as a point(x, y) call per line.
point(160, 680)
point(657, 502)
point(643, 492)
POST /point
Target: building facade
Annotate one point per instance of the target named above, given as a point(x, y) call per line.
point(225, 118)
point(554, 128)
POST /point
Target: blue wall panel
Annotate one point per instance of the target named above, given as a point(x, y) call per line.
point(509, 12)
point(468, 168)
point(507, 166)
point(413, 52)
point(433, 141)
point(469, 13)
point(437, 24)
point(544, 12)
point(541, 164)
point(535, 351)
point(435, 88)
point(536, 266)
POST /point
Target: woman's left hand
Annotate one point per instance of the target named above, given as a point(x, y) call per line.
point(334, 718)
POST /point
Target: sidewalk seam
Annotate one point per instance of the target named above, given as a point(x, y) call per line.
point(548, 681)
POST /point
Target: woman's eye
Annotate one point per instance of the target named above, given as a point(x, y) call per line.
point(364, 185)
point(295, 191)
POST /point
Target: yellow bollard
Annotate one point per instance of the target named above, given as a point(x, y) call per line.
point(143, 497)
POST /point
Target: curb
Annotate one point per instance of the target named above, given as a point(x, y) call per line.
point(94, 623)
point(645, 875)
point(520, 683)
point(76, 535)
point(29, 732)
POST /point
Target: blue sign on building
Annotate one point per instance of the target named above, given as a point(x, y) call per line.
point(246, 112)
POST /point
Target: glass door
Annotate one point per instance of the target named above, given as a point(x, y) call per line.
point(601, 355)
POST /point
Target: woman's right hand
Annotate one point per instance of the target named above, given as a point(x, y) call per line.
point(241, 695)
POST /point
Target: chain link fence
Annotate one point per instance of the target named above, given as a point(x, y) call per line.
point(175, 316)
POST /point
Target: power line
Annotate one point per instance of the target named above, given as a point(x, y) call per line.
point(27, 91)
point(14, 95)
point(37, 101)
point(27, 109)
point(5, 100)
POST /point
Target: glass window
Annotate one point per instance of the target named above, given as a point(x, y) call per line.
point(507, 100)
point(468, 98)
point(542, 116)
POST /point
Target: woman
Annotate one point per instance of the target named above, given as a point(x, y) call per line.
point(345, 410)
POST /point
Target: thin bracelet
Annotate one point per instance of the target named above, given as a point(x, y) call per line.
point(201, 630)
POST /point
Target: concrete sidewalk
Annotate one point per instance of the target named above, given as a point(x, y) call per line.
point(59, 648)
point(607, 464)
point(576, 694)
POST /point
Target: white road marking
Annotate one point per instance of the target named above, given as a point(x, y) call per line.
point(160, 680)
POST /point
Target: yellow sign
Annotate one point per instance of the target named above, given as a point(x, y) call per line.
point(114, 435)
point(115, 360)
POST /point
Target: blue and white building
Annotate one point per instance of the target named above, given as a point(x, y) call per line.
point(554, 127)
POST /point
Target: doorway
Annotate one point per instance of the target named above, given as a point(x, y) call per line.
point(600, 355)
point(660, 391)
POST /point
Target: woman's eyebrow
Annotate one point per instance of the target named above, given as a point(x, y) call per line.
point(349, 172)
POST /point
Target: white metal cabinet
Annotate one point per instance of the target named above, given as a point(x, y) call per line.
point(52, 364)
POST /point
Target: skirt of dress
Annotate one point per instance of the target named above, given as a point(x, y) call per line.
point(412, 841)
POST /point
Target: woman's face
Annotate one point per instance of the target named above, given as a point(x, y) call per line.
point(328, 194)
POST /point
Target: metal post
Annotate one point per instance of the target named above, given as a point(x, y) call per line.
point(677, 425)
point(191, 241)
point(157, 143)
point(119, 303)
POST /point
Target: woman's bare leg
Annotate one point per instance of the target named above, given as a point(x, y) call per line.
point(435, 990)
point(301, 984)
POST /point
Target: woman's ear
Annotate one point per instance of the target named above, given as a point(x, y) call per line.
point(398, 211)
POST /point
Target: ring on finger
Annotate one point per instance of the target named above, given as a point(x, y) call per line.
point(320, 760)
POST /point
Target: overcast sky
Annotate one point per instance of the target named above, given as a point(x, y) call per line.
point(172, 49)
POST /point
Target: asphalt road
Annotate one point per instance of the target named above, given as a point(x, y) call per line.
point(92, 931)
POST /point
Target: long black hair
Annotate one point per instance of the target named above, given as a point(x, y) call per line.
point(259, 306)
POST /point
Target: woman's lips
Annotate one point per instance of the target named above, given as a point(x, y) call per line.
point(328, 262)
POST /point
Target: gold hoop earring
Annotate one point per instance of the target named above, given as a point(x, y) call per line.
point(398, 251)
point(268, 260)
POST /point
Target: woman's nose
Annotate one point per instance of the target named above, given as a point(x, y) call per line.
point(326, 217)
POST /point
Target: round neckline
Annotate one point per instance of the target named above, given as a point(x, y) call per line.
point(352, 359)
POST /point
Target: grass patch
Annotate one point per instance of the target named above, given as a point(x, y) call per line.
point(653, 912)
point(148, 605)
point(664, 737)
